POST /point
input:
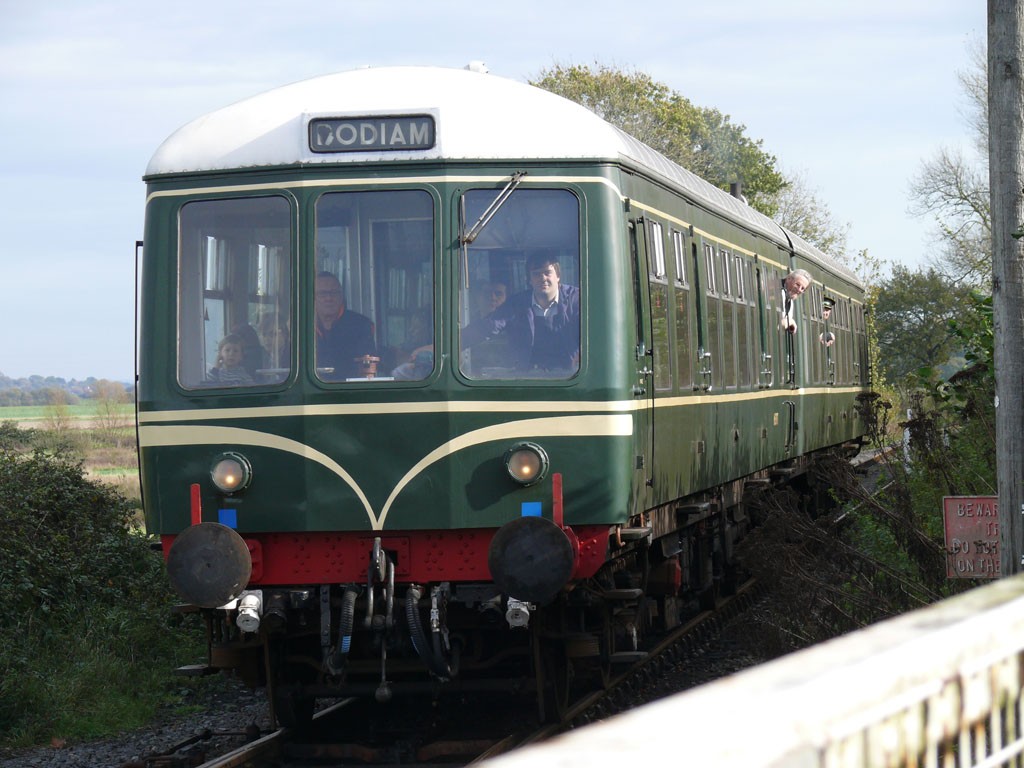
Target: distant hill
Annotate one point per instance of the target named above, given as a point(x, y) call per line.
point(44, 390)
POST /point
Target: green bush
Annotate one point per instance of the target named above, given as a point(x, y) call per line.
point(87, 640)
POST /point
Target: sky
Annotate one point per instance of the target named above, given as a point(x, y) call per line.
point(851, 95)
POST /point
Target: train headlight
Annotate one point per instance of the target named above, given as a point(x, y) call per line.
point(231, 472)
point(527, 463)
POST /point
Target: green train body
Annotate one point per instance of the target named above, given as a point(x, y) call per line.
point(298, 500)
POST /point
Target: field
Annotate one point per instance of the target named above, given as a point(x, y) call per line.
point(101, 434)
point(81, 414)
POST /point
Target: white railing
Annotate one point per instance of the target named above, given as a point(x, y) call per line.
point(937, 687)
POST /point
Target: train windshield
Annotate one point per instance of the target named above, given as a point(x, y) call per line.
point(519, 299)
point(234, 305)
point(374, 295)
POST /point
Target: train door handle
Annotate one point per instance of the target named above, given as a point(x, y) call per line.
point(767, 374)
point(705, 369)
point(790, 423)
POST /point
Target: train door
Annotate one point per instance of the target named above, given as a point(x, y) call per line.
point(709, 324)
point(828, 338)
point(800, 368)
point(779, 361)
point(743, 291)
point(643, 387)
point(685, 344)
point(660, 300)
point(789, 344)
point(766, 324)
point(862, 365)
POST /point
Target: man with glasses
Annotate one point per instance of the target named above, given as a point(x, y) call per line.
point(344, 338)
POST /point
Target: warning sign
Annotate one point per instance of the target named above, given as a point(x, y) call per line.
point(972, 536)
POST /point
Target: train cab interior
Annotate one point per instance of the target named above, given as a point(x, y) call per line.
point(242, 323)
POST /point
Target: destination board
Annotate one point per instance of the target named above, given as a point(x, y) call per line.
point(371, 134)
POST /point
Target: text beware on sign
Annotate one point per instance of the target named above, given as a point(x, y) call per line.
point(972, 536)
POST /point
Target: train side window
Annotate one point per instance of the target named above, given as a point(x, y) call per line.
point(659, 289)
point(679, 252)
point(713, 315)
point(724, 283)
point(234, 293)
point(684, 365)
point(709, 265)
point(531, 243)
point(744, 321)
point(658, 270)
point(373, 316)
point(817, 350)
point(728, 320)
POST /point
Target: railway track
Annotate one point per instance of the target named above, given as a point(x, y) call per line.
point(460, 730)
point(464, 730)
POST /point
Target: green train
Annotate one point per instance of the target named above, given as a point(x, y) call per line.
point(446, 384)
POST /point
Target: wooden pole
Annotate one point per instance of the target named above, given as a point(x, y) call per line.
point(1006, 179)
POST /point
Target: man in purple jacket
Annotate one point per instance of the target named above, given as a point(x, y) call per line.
point(542, 324)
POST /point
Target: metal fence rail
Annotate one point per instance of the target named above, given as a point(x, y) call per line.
point(938, 687)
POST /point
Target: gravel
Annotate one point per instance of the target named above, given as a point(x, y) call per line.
point(224, 707)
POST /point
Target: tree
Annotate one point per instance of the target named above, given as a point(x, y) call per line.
point(956, 192)
point(952, 186)
point(701, 140)
point(1006, 169)
point(57, 412)
point(799, 210)
point(870, 270)
point(912, 314)
point(110, 417)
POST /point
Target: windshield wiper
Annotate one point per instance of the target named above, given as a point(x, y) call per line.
point(492, 209)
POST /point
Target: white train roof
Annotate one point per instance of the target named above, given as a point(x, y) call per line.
point(477, 116)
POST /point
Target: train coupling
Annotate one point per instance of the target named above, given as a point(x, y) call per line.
point(247, 608)
point(517, 614)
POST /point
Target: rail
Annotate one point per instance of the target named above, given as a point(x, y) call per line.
point(941, 686)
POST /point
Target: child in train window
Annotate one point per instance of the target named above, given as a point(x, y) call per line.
point(229, 370)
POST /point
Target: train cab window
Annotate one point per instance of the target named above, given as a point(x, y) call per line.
point(373, 317)
point(528, 242)
point(234, 295)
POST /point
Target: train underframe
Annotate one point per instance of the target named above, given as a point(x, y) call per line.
point(382, 639)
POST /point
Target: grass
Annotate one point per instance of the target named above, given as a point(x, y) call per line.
point(101, 690)
point(113, 459)
point(105, 441)
point(68, 675)
point(77, 412)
